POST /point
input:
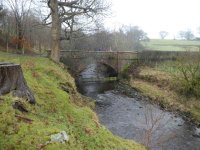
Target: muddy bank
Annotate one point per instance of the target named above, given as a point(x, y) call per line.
point(127, 89)
point(163, 89)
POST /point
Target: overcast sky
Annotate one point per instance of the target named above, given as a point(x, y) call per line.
point(155, 15)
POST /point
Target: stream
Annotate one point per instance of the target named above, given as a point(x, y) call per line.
point(134, 117)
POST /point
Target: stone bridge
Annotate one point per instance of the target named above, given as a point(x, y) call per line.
point(77, 61)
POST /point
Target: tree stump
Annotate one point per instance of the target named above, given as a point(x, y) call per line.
point(12, 80)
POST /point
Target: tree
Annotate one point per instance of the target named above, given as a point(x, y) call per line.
point(2, 14)
point(1, 11)
point(125, 39)
point(134, 36)
point(35, 35)
point(198, 30)
point(187, 35)
point(163, 34)
point(101, 40)
point(136, 33)
point(20, 10)
point(68, 16)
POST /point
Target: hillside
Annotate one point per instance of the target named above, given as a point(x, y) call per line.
point(172, 45)
point(56, 110)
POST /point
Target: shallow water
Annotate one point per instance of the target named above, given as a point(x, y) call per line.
point(135, 118)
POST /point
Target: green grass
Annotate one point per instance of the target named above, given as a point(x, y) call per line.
point(55, 111)
point(196, 112)
point(172, 45)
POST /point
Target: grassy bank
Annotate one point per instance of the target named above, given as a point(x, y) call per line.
point(159, 83)
point(56, 110)
point(171, 45)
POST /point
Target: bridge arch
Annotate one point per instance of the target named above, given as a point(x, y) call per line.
point(113, 72)
point(78, 60)
point(103, 67)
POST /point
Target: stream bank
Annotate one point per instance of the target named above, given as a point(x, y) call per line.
point(161, 88)
point(59, 108)
point(128, 114)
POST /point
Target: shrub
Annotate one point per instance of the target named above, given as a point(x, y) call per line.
point(189, 69)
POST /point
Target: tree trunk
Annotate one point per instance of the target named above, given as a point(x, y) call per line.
point(7, 42)
point(12, 79)
point(55, 31)
point(20, 36)
point(40, 47)
point(7, 47)
point(23, 52)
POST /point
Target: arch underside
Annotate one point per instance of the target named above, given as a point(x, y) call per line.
point(78, 65)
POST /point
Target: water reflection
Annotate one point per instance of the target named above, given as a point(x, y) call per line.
point(91, 88)
point(135, 118)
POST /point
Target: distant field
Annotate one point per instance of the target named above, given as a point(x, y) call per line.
point(172, 45)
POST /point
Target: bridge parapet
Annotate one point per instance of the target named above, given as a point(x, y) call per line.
point(79, 60)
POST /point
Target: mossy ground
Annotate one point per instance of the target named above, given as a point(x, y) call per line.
point(55, 111)
point(159, 83)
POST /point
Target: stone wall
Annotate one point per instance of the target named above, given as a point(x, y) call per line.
point(79, 60)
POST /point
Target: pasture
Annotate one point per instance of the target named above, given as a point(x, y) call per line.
point(171, 45)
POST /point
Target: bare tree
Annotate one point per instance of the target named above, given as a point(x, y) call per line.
point(188, 66)
point(2, 14)
point(129, 38)
point(125, 39)
point(20, 10)
point(163, 34)
point(1, 11)
point(36, 34)
point(187, 35)
point(71, 16)
point(154, 122)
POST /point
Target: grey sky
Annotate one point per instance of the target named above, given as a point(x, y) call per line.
point(156, 15)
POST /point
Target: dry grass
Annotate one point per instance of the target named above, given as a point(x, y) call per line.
point(161, 87)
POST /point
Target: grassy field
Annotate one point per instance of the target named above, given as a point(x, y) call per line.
point(55, 111)
point(172, 45)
